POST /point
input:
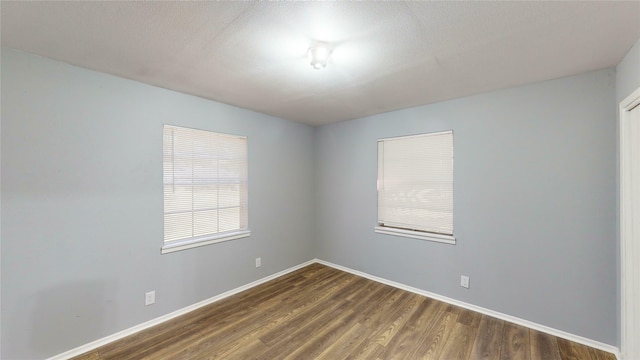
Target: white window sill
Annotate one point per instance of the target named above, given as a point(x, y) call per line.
point(179, 245)
point(447, 239)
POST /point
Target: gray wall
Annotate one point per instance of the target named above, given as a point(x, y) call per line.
point(534, 202)
point(82, 204)
point(628, 73)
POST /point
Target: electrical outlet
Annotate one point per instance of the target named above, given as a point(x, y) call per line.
point(258, 262)
point(464, 281)
point(149, 298)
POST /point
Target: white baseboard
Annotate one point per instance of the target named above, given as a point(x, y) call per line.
point(132, 330)
point(512, 319)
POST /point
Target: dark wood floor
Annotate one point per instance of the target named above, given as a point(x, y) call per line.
point(319, 312)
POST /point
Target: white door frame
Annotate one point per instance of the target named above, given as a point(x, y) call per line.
point(629, 233)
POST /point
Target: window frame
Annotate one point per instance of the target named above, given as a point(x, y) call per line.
point(170, 246)
point(408, 232)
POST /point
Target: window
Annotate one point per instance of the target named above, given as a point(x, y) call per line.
point(415, 186)
point(205, 188)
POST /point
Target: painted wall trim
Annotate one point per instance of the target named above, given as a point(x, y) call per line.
point(132, 330)
point(629, 221)
point(145, 325)
point(542, 328)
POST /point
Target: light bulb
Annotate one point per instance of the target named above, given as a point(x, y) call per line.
point(319, 54)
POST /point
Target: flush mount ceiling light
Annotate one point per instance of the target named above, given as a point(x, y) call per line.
point(319, 53)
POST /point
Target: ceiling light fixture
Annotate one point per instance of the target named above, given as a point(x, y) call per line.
point(319, 53)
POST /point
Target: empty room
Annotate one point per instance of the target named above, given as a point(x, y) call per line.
point(320, 180)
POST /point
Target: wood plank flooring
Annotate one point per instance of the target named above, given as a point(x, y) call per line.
point(319, 312)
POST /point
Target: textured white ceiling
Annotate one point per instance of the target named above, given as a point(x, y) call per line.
point(388, 55)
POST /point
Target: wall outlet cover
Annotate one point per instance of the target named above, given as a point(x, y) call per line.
point(464, 281)
point(149, 298)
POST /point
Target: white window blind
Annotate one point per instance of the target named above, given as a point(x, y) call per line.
point(415, 184)
point(205, 186)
